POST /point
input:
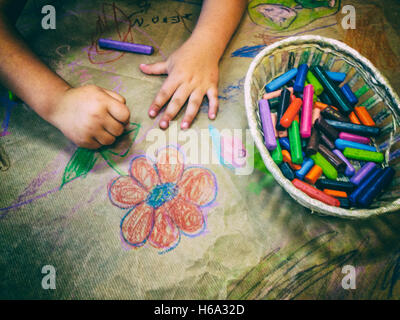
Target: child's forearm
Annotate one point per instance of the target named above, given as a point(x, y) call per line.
point(23, 73)
point(217, 22)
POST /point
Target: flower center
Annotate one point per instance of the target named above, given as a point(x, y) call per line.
point(161, 194)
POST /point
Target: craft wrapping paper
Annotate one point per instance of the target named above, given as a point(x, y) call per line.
point(257, 242)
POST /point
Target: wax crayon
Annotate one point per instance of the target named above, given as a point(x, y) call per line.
point(354, 137)
point(285, 144)
point(326, 141)
point(281, 80)
point(364, 172)
point(349, 94)
point(333, 159)
point(336, 76)
point(315, 193)
point(335, 193)
point(316, 113)
point(324, 98)
point(311, 79)
point(267, 126)
point(300, 77)
point(295, 143)
point(328, 170)
point(326, 128)
point(291, 113)
point(354, 128)
point(353, 118)
point(350, 171)
point(344, 203)
point(341, 144)
point(287, 158)
point(287, 171)
point(306, 112)
point(282, 134)
point(335, 185)
point(314, 174)
point(363, 155)
point(364, 116)
point(125, 46)
point(330, 113)
point(275, 94)
point(274, 118)
point(333, 91)
point(313, 142)
point(305, 168)
point(365, 185)
point(382, 181)
point(320, 105)
point(284, 101)
point(276, 154)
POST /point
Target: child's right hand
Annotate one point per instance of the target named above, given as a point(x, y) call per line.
point(90, 116)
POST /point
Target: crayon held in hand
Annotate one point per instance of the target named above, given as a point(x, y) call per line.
point(125, 46)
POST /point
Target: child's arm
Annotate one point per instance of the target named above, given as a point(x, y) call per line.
point(193, 68)
point(90, 116)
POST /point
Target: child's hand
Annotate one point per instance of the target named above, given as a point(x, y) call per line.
point(90, 116)
point(192, 73)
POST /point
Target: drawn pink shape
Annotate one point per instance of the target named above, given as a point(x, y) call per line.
point(233, 151)
point(164, 199)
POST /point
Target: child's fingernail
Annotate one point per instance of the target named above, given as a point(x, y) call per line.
point(185, 125)
point(212, 116)
point(163, 124)
point(152, 113)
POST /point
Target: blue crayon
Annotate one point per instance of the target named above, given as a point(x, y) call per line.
point(336, 76)
point(300, 78)
point(279, 82)
point(349, 94)
point(286, 171)
point(384, 179)
point(285, 143)
point(364, 186)
point(306, 166)
point(341, 144)
point(125, 46)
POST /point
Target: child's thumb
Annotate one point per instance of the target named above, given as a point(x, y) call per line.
point(155, 68)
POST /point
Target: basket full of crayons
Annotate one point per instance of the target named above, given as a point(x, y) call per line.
point(326, 123)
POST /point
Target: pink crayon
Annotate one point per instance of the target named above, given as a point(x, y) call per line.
point(274, 117)
point(316, 112)
point(306, 112)
point(354, 138)
point(275, 94)
point(282, 134)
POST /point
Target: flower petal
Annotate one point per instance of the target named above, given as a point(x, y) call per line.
point(187, 216)
point(170, 164)
point(143, 171)
point(198, 185)
point(124, 192)
point(165, 234)
point(137, 224)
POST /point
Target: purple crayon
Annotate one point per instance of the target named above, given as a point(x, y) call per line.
point(267, 125)
point(125, 46)
point(350, 169)
point(361, 174)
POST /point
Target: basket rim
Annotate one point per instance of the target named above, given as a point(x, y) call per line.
point(302, 198)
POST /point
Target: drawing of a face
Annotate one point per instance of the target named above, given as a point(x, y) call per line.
point(288, 15)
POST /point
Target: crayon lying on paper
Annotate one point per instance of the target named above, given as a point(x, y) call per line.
point(125, 46)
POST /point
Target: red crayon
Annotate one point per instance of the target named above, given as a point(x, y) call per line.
point(315, 193)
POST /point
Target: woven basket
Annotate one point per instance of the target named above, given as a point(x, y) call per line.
point(370, 86)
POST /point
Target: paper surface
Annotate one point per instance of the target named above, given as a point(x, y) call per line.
point(258, 243)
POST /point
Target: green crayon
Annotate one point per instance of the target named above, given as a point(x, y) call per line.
point(295, 143)
point(276, 154)
point(363, 155)
point(311, 79)
point(329, 171)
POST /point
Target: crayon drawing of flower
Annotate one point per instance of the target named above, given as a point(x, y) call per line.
point(164, 199)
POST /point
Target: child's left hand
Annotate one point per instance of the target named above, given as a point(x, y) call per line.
point(192, 73)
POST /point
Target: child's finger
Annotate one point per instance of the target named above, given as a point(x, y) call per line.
point(155, 68)
point(91, 144)
point(118, 111)
point(192, 108)
point(113, 127)
point(213, 103)
point(167, 90)
point(104, 138)
point(115, 96)
point(177, 101)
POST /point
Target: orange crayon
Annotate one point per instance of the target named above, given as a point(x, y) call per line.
point(314, 174)
point(364, 116)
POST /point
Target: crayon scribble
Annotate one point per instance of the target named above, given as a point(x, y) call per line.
point(164, 200)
